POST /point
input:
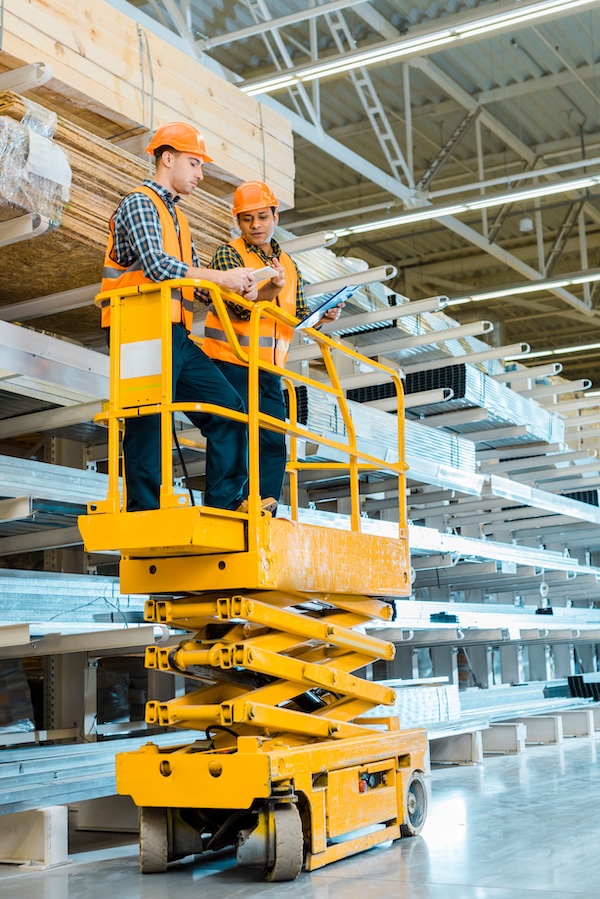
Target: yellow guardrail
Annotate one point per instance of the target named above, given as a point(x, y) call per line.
point(141, 384)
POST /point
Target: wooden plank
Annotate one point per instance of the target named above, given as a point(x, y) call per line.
point(102, 175)
point(101, 62)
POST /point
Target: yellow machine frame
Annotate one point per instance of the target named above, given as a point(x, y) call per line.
point(291, 768)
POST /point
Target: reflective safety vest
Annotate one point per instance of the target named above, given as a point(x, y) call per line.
point(115, 276)
point(274, 337)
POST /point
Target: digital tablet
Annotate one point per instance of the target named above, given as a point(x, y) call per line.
point(262, 274)
point(340, 296)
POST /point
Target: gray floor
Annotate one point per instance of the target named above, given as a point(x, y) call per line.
point(520, 826)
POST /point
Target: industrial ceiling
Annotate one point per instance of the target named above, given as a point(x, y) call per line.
point(406, 113)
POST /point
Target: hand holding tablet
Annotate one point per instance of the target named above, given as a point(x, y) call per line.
point(340, 296)
point(263, 274)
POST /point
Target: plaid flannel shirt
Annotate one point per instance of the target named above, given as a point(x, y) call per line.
point(227, 257)
point(138, 236)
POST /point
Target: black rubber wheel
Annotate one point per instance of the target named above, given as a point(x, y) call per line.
point(289, 844)
point(154, 840)
point(416, 806)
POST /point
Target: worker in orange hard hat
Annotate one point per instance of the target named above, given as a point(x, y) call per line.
point(150, 241)
point(180, 136)
point(255, 210)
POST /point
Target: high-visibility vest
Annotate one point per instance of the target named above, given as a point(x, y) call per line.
point(274, 338)
point(115, 276)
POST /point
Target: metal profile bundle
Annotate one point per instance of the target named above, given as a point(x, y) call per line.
point(476, 621)
point(434, 324)
point(36, 777)
point(472, 389)
point(591, 496)
point(41, 597)
point(27, 477)
point(319, 412)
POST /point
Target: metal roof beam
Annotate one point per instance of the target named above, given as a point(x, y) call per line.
point(280, 22)
point(318, 137)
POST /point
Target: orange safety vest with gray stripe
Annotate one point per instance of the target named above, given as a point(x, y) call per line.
point(115, 276)
point(274, 338)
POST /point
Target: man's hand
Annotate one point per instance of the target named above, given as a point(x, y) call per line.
point(239, 280)
point(251, 293)
point(332, 314)
point(269, 290)
point(279, 280)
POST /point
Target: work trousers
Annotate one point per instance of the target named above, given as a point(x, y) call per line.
point(196, 379)
point(272, 449)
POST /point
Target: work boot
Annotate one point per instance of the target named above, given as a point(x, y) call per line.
point(267, 504)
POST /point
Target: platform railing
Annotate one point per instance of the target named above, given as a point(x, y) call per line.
point(141, 384)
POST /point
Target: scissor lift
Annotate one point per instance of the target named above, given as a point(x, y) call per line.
point(283, 762)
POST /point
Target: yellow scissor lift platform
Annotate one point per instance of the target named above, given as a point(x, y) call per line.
point(284, 764)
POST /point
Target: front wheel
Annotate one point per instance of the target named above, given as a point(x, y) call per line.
point(416, 806)
point(288, 844)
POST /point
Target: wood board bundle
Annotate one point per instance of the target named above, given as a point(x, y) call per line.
point(132, 74)
point(72, 255)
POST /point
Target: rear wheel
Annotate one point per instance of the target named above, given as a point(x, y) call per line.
point(416, 806)
point(288, 844)
point(154, 840)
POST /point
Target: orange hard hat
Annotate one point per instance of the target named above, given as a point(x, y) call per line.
point(253, 195)
point(180, 136)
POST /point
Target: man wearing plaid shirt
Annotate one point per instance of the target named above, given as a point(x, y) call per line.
point(150, 241)
point(255, 208)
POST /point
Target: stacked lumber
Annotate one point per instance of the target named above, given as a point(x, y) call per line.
point(103, 174)
point(108, 62)
point(72, 255)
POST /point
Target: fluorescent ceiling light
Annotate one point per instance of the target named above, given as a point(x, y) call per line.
point(529, 287)
point(523, 15)
point(483, 202)
point(561, 351)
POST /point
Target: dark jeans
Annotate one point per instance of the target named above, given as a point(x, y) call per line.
point(196, 379)
point(271, 401)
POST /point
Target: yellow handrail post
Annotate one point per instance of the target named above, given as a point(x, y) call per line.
point(166, 402)
point(253, 426)
point(292, 466)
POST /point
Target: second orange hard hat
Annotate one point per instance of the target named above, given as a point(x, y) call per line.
point(253, 195)
point(182, 137)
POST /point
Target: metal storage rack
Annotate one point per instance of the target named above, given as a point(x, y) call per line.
point(500, 504)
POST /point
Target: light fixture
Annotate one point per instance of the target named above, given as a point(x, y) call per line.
point(526, 224)
point(585, 277)
point(561, 351)
point(485, 202)
point(523, 15)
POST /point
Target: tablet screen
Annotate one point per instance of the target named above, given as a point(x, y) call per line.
point(340, 296)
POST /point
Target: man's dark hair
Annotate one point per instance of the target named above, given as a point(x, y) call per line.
point(160, 150)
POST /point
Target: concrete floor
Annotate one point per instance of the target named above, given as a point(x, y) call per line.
point(515, 827)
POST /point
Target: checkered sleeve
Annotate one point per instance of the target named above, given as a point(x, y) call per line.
point(138, 236)
point(302, 307)
point(227, 257)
